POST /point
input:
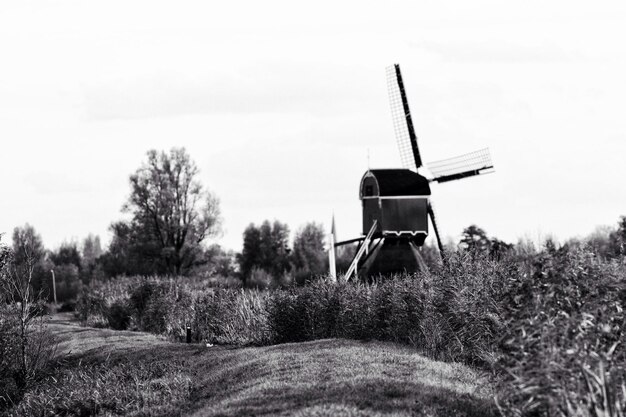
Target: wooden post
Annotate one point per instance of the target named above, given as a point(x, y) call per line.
point(54, 286)
point(188, 334)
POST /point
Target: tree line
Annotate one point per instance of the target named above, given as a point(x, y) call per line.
point(171, 217)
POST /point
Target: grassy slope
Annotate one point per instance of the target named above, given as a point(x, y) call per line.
point(325, 377)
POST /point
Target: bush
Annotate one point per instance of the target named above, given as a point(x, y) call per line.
point(118, 315)
point(232, 317)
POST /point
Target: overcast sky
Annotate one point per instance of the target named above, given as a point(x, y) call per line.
point(279, 104)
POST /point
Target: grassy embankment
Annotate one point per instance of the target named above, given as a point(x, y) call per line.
point(107, 372)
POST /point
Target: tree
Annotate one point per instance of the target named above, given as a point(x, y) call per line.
point(132, 251)
point(27, 237)
point(67, 265)
point(618, 238)
point(498, 249)
point(67, 254)
point(309, 257)
point(91, 250)
point(250, 255)
point(474, 239)
point(25, 345)
point(172, 214)
point(265, 248)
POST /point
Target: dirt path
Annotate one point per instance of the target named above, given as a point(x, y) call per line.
point(77, 340)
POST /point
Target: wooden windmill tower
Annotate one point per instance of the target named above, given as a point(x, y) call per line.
point(396, 202)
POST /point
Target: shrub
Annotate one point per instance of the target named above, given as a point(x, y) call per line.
point(118, 315)
point(91, 308)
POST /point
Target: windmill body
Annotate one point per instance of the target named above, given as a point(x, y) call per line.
point(397, 199)
point(396, 202)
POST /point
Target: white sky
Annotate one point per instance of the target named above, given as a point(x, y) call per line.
point(278, 103)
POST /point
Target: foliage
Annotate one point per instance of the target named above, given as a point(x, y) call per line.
point(66, 265)
point(131, 252)
point(216, 262)
point(172, 214)
point(309, 256)
point(112, 389)
point(265, 247)
point(474, 239)
point(231, 316)
point(564, 320)
point(67, 254)
point(91, 250)
point(548, 323)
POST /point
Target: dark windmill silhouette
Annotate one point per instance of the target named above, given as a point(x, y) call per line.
point(396, 202)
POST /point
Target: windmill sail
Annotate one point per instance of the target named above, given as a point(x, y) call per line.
point(462, 166)
point(402, 121)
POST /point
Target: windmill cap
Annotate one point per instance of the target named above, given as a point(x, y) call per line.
point(393, 183)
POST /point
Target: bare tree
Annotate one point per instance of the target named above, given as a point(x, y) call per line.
point(30, 345)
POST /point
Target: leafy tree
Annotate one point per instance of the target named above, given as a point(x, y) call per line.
point(91, 250)
point(27, 236)
point(132, 251)
point(172, 214)
point(499, 248)
point(618, 238)
point(250, 255)
point(67, 254)
point(309, 257)
point(275, 247)
point(474, 239)
point(265, 248)
point(67, 266)
point(217, 262)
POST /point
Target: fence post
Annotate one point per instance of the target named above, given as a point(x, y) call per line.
point(54, 286)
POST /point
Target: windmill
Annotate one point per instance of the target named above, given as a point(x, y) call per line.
point(396, 202)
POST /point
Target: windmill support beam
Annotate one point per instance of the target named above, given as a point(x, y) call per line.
point(361, 251)
point(346, 242)
point(370, 258)
point(421, 264)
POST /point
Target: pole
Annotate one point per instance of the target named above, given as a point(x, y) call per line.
point(331, 259)
point(54, 286)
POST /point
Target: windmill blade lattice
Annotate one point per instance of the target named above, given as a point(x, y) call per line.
point(401, 117)
point(462, 166)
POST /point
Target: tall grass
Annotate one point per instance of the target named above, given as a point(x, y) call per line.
point(550, 325)
point(120, 389)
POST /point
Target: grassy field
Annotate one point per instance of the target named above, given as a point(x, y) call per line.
point(134, 373)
